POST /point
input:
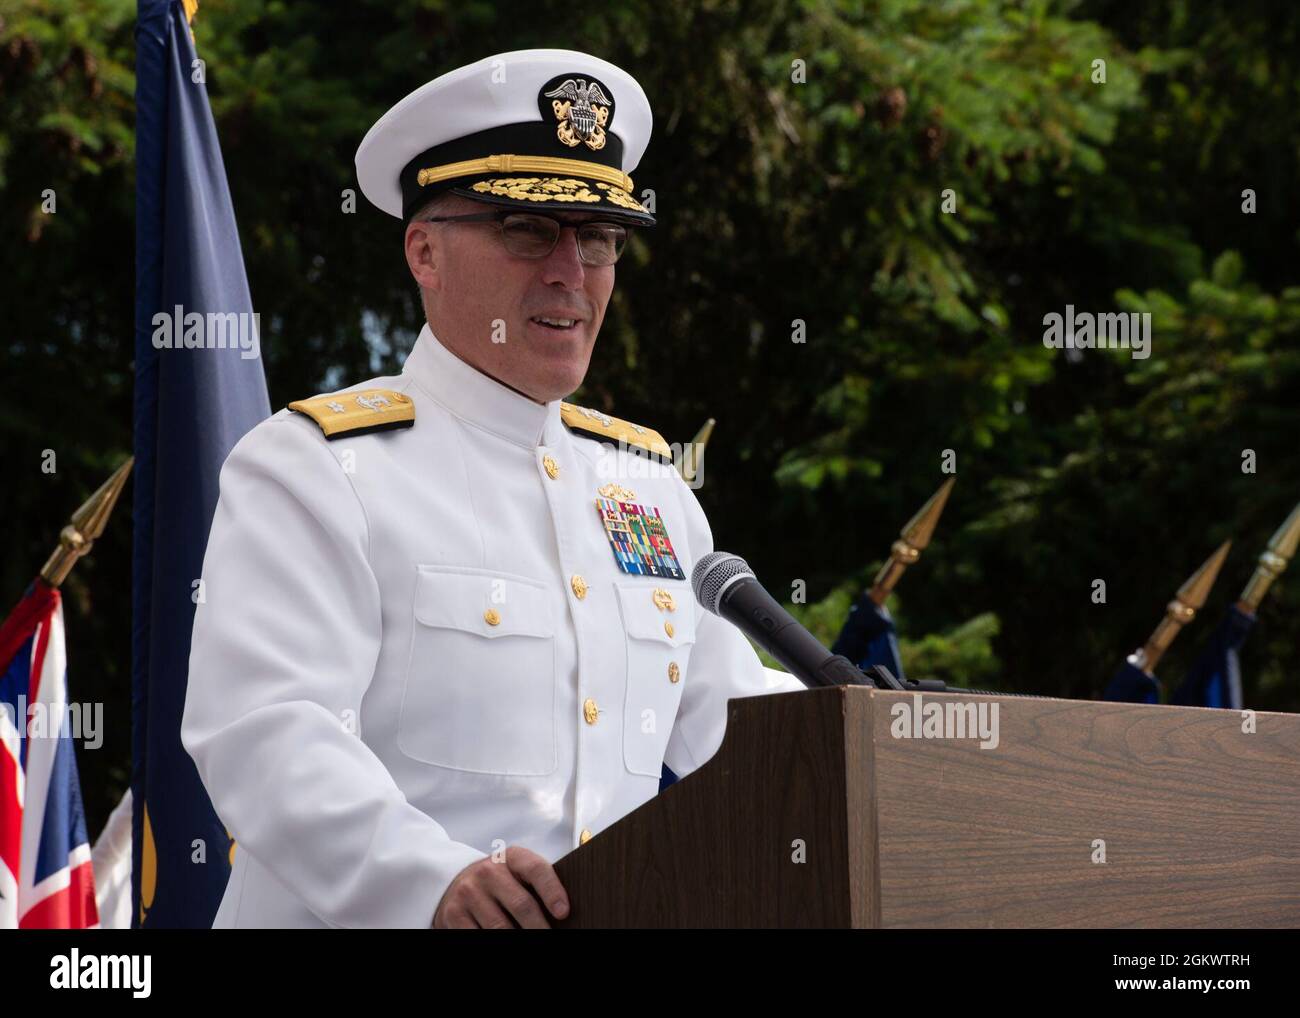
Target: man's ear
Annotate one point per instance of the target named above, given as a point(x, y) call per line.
point(423, 248)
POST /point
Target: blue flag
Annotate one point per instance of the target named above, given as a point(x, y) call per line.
point(1215, 678)
point(199, 386)
point(868, 637)
point(1131, 684)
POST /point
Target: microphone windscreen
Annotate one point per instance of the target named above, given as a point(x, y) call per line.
point(712, 573)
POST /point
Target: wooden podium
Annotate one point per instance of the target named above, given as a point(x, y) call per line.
point(814, 814)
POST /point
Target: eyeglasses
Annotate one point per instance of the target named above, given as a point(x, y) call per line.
point(528, 235)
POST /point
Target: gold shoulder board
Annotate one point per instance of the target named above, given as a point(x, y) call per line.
point(358, 412)
point(611, 429)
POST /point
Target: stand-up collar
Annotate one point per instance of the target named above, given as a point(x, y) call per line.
point(479, 399)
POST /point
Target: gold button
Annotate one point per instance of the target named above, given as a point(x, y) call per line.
point(663, 600)
point(491, 617)
point(674, 673)
point(579, 586)
point(584, 837)
point(589, 711)
point(668, 628)
point(552, 468)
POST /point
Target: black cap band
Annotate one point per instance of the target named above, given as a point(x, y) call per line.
point(533, 138)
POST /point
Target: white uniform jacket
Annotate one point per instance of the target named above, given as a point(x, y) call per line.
point(415, 646)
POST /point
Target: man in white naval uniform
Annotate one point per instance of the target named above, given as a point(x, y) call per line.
point(425, 667)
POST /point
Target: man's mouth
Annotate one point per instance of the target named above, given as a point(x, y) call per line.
point(558, 324)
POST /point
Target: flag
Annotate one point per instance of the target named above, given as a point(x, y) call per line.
point(46, 877)
point(1131, 684)
point(868, 637)
point(199, 386)
point(1214, 679)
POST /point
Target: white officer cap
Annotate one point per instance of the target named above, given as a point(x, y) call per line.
point(538, 128)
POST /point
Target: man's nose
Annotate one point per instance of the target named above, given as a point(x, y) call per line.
point(564, 265)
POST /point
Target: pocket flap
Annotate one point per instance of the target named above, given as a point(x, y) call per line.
point(491, 604)
point(645, 620)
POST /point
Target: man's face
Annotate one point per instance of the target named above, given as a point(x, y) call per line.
point(484, 303)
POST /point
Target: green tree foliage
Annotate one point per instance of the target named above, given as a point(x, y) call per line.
point(907, 186)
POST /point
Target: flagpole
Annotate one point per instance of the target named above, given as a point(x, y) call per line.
point(912, 541)
point(1272, 561)
point(693, 455)
point(1181, 610)
point(86, 525)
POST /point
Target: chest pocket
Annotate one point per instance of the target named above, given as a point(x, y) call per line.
point(480, 683)
point(657, 665)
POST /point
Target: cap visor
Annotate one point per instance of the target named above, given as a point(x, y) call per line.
point(558, 194)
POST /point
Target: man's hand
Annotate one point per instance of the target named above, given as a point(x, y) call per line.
point(487, 894)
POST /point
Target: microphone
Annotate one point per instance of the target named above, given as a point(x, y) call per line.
point(725, 585)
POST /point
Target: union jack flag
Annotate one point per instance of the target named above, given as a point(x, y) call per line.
point(46, 879)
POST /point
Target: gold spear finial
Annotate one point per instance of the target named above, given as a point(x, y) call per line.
point(913, 540)
point(1181, 610)
point(693, 456)
point(86, 525)
point(1281, 547)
